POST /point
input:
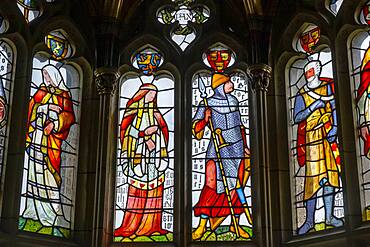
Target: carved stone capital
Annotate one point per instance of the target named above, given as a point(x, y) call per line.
point(106, 80)
point(260, 76)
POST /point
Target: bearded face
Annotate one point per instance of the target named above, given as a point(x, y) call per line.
point(219, 59)
point(310, 39)
point(312, 73)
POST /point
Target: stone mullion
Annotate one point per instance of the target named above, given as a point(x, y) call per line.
point(102, 233)
point(260, 75)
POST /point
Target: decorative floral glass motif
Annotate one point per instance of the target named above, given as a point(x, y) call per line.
point(334, 5)
point(315, 158)
point(221, 184)
point(183, 34)
point(359, 69)
point(59, 45)
point(51, 155)
point(6, 81)
point(145, 162)
point(29, 9)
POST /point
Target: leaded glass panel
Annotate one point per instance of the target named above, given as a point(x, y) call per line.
point(51, 155)
point(316, 167)
point(6, 82)
point(221, 184)
point(183, 14)
point(359, 69)
point(145, 164)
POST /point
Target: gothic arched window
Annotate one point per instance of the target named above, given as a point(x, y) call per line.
point(359, 71)
point(144, 207)
point(52, 142)
point(316, 169)
point(221, 183)
point(7, 60)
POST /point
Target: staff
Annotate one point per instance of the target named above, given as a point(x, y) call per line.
point(203, 95)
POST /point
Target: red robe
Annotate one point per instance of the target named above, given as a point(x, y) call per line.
point(364, 84)
point(211, 203)
point(301, 132)
point(66, 119)
point(143, 215)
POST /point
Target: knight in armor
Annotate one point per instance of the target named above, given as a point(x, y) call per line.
point(317, 146)
point(223, 113)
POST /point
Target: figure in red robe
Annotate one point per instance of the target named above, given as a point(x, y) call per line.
point(143, 159)
point(363, 94)
point(50, 117)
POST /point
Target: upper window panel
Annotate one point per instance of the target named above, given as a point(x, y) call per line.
point(221, 183)
point(145, 163)
point(51, 154)
point(180, 15)
point(6, 83)
point(4, 24)
point(333, 6)
point(30, 9)
point(360, 75)
point(316, 177)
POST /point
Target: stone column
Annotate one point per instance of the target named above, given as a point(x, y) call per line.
point(106, 81)
point(260, 77)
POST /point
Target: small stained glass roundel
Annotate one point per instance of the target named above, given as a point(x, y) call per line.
point(307, 38)
point(148, 60)
point(60, 47)
point(219, 58)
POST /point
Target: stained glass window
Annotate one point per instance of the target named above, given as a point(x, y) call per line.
point(51, 155)
point(6, 81)
point(317, 193)
point(183, 13)
point(145, 162)
point(29, 8)
point(359, 69)
point(221, 184)
point(333, 6)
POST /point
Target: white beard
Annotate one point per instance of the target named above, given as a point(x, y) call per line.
point(314, 83)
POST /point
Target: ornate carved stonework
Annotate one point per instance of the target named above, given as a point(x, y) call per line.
point(106, 80)
point(260, 76)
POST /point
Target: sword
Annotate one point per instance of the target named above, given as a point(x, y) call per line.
point(203, 95)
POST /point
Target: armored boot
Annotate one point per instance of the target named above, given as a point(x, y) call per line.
point(201, 229)
point(310, 217)
point(330, 220)
point(241, 231)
